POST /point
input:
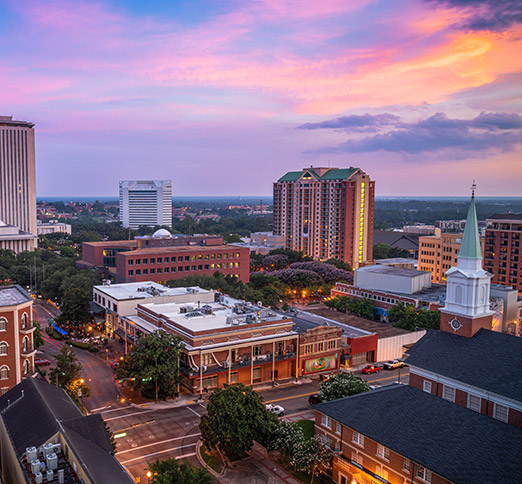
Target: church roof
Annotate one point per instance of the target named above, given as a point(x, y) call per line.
point(470, 245)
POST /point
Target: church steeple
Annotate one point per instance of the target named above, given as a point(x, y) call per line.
point(470, 254)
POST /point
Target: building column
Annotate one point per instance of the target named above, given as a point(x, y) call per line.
point(252, 365)
point(273, 362)
point(229, 364)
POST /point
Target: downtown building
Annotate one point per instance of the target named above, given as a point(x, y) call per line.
point(145, 202)
point(459, 419)
point(326, 213)
point(17, 185)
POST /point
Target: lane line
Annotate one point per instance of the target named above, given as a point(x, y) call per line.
point(156, 443)
point(162, 452)
point(293, 396)
point(128, 415)
point(194, 412)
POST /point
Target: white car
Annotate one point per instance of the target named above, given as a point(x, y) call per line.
point(277, 409)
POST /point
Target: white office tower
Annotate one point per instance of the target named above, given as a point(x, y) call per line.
point(145, 202)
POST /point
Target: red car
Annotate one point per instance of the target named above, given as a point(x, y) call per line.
point(41, 362)
point(370, 369)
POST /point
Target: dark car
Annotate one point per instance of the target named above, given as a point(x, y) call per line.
point(314, 399)
point(370, 369)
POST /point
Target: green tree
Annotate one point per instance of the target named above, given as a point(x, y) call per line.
point(339, 264)
point(341, 385)
point(75, 310)
point(310, 455)
point(170, 471)
point(154, 358)
point(68, 251)
point(381, 251)
point(67, 368)
point(407, 316)
point(285, 437)
point(235, 418)
point(37, 335)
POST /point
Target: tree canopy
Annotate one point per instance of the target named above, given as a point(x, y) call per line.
point(362, 307)
point(67, 372)
point(235, 418)
point(408, 317)
point(341, 385)
point(170, 471)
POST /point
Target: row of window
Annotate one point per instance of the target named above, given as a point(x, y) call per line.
point(200, 267)
point(25, 322)
point(186, 258)
point(321, 346)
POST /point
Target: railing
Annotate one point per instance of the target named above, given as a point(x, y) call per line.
point(27, 328)
point(27, 349)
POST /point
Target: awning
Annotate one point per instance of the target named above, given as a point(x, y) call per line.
point(60, 330)
point(380, 311)
point(119, 332)
point(95, 308)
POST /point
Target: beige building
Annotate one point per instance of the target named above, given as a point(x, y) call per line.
point(439, 252)
point(52, 227)
point(326, 213)
point(17, 178)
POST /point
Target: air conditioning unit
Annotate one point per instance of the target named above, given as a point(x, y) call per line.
point(38, 478)
point(57, 448)
point(32, 453)
point(61, 477)
point(52, 461)
point(48, 449)
point(182, 310)
point(49, 475)
point(35, 466)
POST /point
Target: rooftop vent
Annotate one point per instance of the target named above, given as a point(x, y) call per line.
point(193, 314)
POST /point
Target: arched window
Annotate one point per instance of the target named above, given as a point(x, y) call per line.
point(25, 344)
point(3, 324)
point(26, 367)
point(4, 372)
point(482, 295)
point(3, 348)
point(24, 321)
point(458, 294)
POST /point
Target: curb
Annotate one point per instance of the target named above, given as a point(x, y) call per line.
point(205, 465)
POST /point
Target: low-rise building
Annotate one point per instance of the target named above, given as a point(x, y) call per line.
point(44, 437)
point(52, 227)
point(398, 240)
point(16, 336)
point(12, 238)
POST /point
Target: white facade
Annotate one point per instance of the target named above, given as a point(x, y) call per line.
point(51, 228)
point(394, 279)
point(393, 347)
point(145, 202)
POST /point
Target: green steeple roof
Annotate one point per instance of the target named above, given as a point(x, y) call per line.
point(470, 246)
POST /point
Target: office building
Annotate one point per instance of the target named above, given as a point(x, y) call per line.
point(53, 227)
point(12, 238)
point(145, 202)
point(326, 213)
point(16, 336)
point(45, 438)
point(439, 252)
point(503, 256)
point(18, 181)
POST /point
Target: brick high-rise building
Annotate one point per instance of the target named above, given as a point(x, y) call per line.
point(17, 185)
point(326, 213)
point(503, 257)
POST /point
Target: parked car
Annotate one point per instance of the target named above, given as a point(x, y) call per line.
point(42, 362)
point(314, 399)
point(114, 363)
point(277, 409)
point(371, 369)
point(374, 387)
point(393, 364)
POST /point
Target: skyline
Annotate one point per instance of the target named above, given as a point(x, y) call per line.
point(225, 97)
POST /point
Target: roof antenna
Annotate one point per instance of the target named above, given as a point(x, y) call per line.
point(473, 188)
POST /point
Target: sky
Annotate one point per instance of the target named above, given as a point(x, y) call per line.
point(224, 97)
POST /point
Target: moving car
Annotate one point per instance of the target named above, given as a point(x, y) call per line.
point(393, 364)
point(314, 399)
point(370, 369)
point(42, 362)
point(277, 409)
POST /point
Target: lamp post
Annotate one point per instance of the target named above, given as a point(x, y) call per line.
point(149, 475)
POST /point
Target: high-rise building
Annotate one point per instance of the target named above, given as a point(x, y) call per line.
point(326, 213)
point(503, 256)
point(145, 202)
point(17, 184)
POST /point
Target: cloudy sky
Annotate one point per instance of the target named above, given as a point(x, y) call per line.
point(224, 97)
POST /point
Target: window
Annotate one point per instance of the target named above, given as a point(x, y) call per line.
point(206, 267)
point(138, 272)
point(172, 269)
point(160, 270)
point(131, 273)
point(423, 474)
point(4, 373)
point(501, 412)
point(332, 344)
point(326, 441)
point(383, 452)
point(326, 421)
point(187, 268)
point(166, 269)
point(145, 261)
point(160, 260)
point(320, 346)
point(426, 386)
point(406, 464)
point(3, 324)
point(309, 349)
point(448, 393)
point(131, 262)
point(474, 402)
point(180, 269)
point(152, 260)
point(180, 259)
point(5, 390)
point(257, 374)
point(193, 257)
point(145, 271)
point(153, 271)
point(338, 428)
point(26, 367)
point(3, 348)
point(193, 268)
point(257, 350)
point(357, 457)
point(200, 267)
point(358, 438)
point(233, 377)
point(24, 321)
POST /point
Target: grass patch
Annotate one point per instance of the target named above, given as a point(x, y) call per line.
point(53, 334)
point(212, 459)
point(84, 346)
point(308, 428)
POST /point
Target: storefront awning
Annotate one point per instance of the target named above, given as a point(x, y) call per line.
point(95, 308)
point(380, 311)
point(120, 333)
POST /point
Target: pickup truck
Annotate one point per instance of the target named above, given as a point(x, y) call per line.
point(393, 364)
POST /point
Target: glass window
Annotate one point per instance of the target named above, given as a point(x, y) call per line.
point(358, 438)
point(383, 452)
point(3, 348)
point(160, 260)
point(187, 258)
point(138, 272)
point(138, 261)
point(406, 464)
point(152, 260)
point(180, 259)
point(426, 386)
point(145, 261)
point(257, 374)
point(180, 269)
point(145, 271)
point(159, 270)
point(3, 324)
point(193, 268)
point(200, 267)
point(166, 269)
point(206, 267)
point(131, 262)
point(131, 273)
point(4, 373)
point(326, 421)
point(153, 271)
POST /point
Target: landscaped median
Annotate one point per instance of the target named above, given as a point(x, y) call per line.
point(211, 460)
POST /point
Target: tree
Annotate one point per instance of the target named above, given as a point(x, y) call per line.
point(339, 264)
point(310, 455)
point(407, 316)
point(154, 358)
point(170, 471)
point(75, 309)
point(341, 385)
point(235, 418)
point(381, 251)
point(285, 437)
point(66, 374)
point(37, 335)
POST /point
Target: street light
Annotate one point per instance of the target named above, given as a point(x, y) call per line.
point(149, 475)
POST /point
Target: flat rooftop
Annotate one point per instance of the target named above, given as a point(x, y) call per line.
point(12, 295)
point(390, 270)
point(178, 248)
point(305, 320)
point(396, 260)
point(383, 330)
point(142, 290)
point(228, 314)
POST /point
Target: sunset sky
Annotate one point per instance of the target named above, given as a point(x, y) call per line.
point(223, 97)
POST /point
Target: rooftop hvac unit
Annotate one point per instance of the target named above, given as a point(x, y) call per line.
point(38, 478)
point(32, 453)
point(48, 449)
point(183, 310)
point(49, 475)
point(251, 318)
point(61, 478)
point(35, 466)
point(235, 322)
point(57, 448)
point(52, 461)
point(207, 310)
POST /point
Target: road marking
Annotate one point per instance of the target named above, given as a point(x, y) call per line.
point(162, 452)
point(194, 412)
point(128, 415)
point(51, 341)
point(394, 377)
point(294, 396)
point(158, 443)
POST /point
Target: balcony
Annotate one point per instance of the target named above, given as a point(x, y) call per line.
point(28, 350)
point(27, 328)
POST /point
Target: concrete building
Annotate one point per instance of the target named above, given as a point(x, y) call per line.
point(262, 242)
point(389, 278)
point(503, 250)
point(439, 252)
point(419, 229)
point(17, 177)
point(52, 227)
point(326, 213)
point(398, 240)
point(12, 238)
point(44, 437)
point(16, 336)
point(145, 202)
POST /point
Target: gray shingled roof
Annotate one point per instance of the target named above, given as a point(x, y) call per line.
point(459, 444)
point(490, 360)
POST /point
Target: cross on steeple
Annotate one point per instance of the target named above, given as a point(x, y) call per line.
point(473, 188)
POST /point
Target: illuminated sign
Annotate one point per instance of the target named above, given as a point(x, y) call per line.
point(320, 364)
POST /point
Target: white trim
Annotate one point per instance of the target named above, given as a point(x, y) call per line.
point(426, 386)
point(472, 395)
point(5, 321)
point(448, 393)
point(495, 416)
point(479, 392)
point(16, 328)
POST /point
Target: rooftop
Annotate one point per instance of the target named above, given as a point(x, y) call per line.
point(9, 121)
point(489, 360)
point(454, 442)
point(12, 295)
point(383, 330)
point(396, 260)
point(392, 271)
point(305, 320)
point(513, 217)
point(328, 174)
point(179, 248)
point(143, 290)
